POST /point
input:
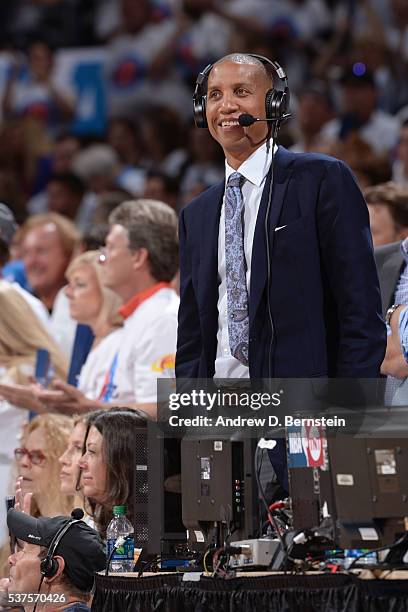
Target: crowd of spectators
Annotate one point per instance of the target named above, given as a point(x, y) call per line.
point(110, 194)
point(346, 63)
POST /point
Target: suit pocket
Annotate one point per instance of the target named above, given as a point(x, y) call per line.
point(288, 233)
point(295, 226)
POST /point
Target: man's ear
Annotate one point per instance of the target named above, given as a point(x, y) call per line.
point(140, 258)
point(61, 565)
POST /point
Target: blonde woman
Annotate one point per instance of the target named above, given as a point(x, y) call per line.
point(44, 440)
point(37, 489)
point(93, 304)
point(21, 335)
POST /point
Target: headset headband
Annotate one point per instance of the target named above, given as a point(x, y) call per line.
point(48, 566)
point(276, 100)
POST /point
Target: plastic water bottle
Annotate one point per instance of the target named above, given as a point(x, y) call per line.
point(122, 559)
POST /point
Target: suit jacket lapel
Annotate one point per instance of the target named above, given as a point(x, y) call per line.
point(259, 270)
point(209, 244)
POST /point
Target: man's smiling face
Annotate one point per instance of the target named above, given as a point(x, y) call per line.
point(233, 89)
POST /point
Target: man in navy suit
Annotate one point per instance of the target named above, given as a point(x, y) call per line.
point(318, 310)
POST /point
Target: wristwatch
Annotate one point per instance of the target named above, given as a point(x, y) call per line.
point(390, 312)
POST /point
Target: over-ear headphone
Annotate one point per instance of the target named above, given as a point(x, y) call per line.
point(49, 566)
point(276, 100)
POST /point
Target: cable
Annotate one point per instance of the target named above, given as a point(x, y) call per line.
point(215, 562)
point(38, 591)
point(148, 565)
point(204, 561)
point(403, 538)
point(119, 542)
point(278, 505)
point(200, 557)
point(275, 130)
point(258, 478)
point(271, 519)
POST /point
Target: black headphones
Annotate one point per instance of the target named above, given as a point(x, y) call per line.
point(49, 566)
point(276, 100)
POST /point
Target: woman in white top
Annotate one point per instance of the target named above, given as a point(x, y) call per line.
point(93, 304)
point(21, 335)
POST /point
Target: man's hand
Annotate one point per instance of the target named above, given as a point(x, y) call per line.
point(394, 363)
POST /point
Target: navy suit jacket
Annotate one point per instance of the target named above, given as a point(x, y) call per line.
point(324, 292)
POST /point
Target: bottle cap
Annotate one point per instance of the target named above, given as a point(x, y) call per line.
point(119, 509)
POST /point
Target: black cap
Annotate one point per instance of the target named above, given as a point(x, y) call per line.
point(81, 546)
point(8, 224)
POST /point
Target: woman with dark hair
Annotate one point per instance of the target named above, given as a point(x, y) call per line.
point(109, 462)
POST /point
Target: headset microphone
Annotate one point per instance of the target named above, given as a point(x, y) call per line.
point(77, 514)
point(245, 120)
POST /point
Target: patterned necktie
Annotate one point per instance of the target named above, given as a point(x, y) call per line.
point(235, 265)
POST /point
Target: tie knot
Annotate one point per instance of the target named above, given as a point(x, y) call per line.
point(235, 180)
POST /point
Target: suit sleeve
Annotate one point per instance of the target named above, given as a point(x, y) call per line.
point(347, 257)
point(189, 342)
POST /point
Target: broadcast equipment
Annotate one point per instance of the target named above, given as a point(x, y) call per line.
point(219, 498)
point(362, 486)
point(260, 552)
point(167, 534)
point(139, 519)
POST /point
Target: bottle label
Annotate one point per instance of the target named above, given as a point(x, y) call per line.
point(122, 553)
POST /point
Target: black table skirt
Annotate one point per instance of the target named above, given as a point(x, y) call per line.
point(304, 593)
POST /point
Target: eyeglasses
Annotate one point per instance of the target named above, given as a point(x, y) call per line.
point(35, 457)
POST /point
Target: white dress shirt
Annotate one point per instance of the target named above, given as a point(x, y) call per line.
point(254, 170)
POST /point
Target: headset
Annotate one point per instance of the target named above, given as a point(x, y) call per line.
point(276, 100)
point(49, 566)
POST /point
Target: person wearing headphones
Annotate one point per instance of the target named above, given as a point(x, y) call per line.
point(277, 275)
point(54, 562)
point(322, 316)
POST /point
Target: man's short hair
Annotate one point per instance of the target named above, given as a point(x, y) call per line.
point(67, 231)
point(247, 58)
point(151, 225)
point(394, 196)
